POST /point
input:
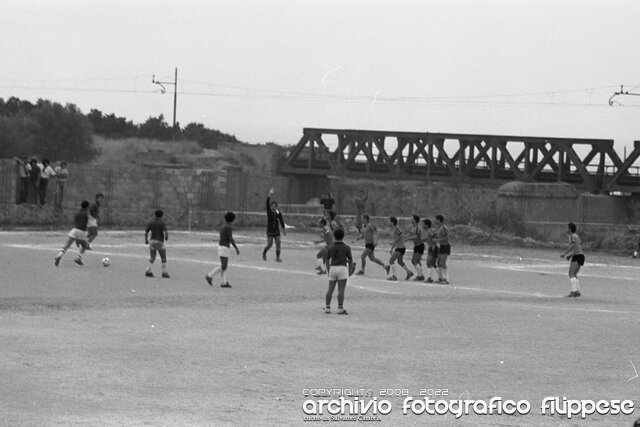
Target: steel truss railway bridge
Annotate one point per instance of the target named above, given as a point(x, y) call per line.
point(591, 164)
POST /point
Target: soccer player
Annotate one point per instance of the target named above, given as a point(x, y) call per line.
point(444, 249)
point(332, 221)
point(78, 234)
point(432, 249)
point(274, 222)
point(94, 215)
point(397, 251)
point(327, 202)
point(340, 264)
point(326, 236)
point(226, 239)
point(159, 235)
point(575, 254)
point(370, 233)
point(417, 234)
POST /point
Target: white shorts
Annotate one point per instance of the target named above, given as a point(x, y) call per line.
point(338, 272)
point(224, 251)
point(92, 222)
point(78, 234)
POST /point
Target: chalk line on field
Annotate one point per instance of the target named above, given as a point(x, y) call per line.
point(354, 282)
point(525, 269)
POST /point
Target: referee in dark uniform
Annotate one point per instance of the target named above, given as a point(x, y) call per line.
point(274, 222)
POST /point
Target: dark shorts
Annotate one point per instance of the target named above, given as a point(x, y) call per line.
point(370, 246)
point(433, 251)
point(401, 250)
point(445, 249)
point(419, 249)
point(578, 258)
point(273, 233)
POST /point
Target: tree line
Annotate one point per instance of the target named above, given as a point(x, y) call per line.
point(55, 131)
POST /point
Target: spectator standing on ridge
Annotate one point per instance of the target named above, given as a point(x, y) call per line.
point(34, 181)
point(46, 173)
point(23, 183)
point(62, 174)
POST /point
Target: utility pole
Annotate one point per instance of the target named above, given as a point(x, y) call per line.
point(175, 94)
point(622, 92)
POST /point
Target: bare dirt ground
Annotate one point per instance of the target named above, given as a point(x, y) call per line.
point(107, 346)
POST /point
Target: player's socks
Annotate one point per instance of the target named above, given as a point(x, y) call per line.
point(165, 273)
point(214, 271)
point(419, 270)
point(574, 284)
point(223, 275)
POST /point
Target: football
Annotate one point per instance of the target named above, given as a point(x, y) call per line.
point(106, 262)
point(635, 254)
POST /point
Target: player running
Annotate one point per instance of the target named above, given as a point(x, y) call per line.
point(432, 249)
point(226, 239)
point(94, 216)
point(159, 235)
point(417, 234)
point(370, 233)
point(397, 251)
point(326, 237)
point(78, 234)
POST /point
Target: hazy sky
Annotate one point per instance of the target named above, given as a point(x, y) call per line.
point(262, 70)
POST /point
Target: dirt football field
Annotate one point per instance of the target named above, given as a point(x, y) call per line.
point(95, 345)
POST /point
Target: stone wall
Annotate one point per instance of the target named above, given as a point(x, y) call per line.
point(198, 198)
point(542, 211)
point(461, 203)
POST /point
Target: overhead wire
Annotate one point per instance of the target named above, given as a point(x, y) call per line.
point(233, 91)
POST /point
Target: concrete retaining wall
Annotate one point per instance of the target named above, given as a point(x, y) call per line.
point(198, 198)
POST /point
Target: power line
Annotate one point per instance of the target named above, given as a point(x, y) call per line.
point(472, 100)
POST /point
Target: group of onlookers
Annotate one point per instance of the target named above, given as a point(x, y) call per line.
point(34, 180)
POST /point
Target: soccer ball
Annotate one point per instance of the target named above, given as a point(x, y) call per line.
point(635, 254)
point(106, 262)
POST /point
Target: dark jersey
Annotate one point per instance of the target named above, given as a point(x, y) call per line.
point(226, 235)
point(80, 220)
point(94, 210)
point(274, 219)
point(340, 253)
point(327, 203)
point(158, 230)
